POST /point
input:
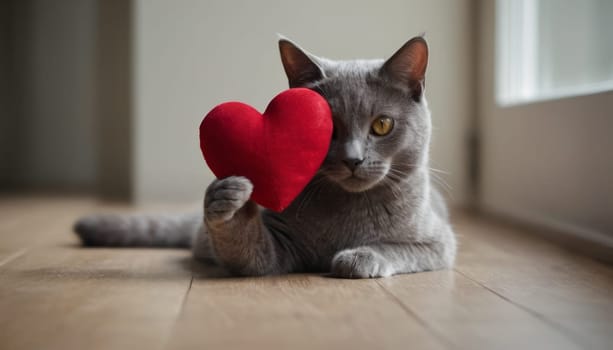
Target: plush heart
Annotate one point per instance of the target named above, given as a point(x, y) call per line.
point(279, 151)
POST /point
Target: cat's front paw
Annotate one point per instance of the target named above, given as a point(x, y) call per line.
point(225, 197)
point(362, 262)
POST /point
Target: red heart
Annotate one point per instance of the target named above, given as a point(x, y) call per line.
point(279, 151)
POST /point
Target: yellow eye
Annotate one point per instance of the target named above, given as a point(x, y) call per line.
point(382, 126)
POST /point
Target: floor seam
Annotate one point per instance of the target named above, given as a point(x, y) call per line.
point(438, 336)
point(13, 256)
point(181, 308)
point(563, 330)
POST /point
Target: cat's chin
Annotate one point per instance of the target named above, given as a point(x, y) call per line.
point(355, 185)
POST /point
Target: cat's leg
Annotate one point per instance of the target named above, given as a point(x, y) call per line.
point(201, 246)
point(238, 238)
point(386, 259)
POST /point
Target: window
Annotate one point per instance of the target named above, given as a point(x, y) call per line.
point(548, 49)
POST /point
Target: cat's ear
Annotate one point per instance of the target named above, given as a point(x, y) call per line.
point(300, 67)
point(408, 66)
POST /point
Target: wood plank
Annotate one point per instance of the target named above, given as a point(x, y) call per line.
point(510, 289)
point(296, 312)
point(470, 316)
point(26, 222)
point(67, 298)
point(58, 295)
point(571, 292)
point(30, 221)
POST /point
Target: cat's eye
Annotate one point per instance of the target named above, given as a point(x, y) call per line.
point(382, 125)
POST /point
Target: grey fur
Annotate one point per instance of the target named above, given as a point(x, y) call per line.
point(138, 230)
point(382, 218)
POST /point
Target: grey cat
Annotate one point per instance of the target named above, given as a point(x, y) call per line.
point(370, 211)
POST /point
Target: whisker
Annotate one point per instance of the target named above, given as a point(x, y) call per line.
point(443, 185)
point(396, 191)
point(392, 179)
point(397, 176)
point(442, 181)
point(439, 171)
point(431, 169)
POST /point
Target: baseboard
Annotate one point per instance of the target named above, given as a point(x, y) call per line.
point(594, 243)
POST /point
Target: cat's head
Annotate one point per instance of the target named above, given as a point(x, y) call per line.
point(380, 115)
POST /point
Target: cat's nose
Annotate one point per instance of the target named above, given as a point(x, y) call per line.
point(353, 163)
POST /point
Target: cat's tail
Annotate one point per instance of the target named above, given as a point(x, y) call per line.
point(138, 230)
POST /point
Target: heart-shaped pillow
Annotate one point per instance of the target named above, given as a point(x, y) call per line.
point(279, 151)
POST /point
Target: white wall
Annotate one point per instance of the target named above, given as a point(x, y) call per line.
point(192, 55)
point(548, 163)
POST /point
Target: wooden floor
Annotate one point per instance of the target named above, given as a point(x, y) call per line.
point(509, 290)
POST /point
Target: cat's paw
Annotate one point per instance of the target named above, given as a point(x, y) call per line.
point(225, 197)
point(362, 262)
